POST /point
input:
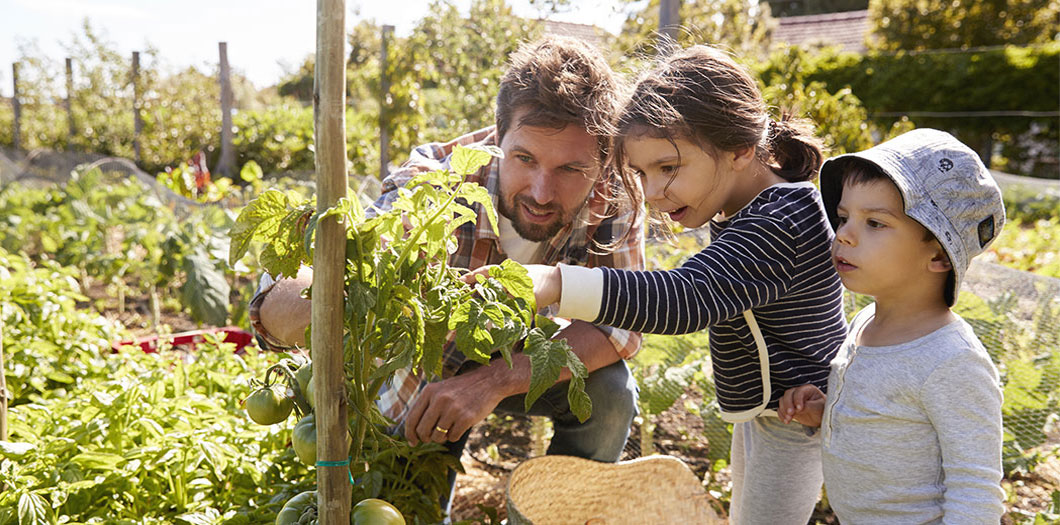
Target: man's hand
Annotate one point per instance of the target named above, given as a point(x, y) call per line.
point(804, 404)
point(548, 282)
point(445, 410)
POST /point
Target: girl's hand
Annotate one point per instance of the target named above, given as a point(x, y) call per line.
point(804, 404)
point(548, 282)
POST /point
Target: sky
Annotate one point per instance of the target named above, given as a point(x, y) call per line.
point(265, 37)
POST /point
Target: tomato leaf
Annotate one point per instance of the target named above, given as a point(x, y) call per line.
point(260, 217)
point(580, 404)
point(515, 279)
point(545, 365)
point(467, 160)
point(473, 193)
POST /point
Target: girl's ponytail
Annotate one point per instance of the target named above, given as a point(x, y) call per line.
point(795, 150)
point(702, 94)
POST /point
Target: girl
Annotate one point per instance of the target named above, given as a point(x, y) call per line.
point(697, 134)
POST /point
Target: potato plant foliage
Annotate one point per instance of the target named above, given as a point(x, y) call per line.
point(403, 301)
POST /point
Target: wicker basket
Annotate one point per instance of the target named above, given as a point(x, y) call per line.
point(567, 490)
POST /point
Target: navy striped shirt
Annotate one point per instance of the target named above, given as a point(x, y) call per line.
point(772, 257)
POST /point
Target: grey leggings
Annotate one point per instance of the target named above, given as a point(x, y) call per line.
point(776, 472)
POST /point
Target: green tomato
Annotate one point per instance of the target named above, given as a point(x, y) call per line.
point(301, 509)
point(304, 440)
point(374, 511)
point(309, 393)
point(269, 405)
point(303, 375)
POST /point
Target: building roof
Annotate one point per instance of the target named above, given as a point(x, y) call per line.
point(847, 29)
point(591, 34)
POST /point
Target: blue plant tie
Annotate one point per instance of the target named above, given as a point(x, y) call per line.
point(340, 463)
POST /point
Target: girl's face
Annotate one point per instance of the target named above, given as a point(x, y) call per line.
point(702, 187)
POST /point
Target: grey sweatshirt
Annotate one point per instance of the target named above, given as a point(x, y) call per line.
point(912, 432)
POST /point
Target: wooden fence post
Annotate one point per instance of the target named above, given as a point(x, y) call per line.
point(3, 385)
point(329, 267)
point(16, 137)
point(138, 123)
point(69, 100)
point(384, 85)
point(227, 161)
point(669, 25)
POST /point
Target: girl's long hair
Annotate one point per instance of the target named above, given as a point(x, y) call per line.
point(702, 95)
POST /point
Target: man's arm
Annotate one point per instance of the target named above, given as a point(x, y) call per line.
point(458, 403)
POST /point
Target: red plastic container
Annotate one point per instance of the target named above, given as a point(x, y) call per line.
point(189, 340)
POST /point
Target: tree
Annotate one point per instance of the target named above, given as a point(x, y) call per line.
point(742, 26)
point(914, 25)
point(459, 61)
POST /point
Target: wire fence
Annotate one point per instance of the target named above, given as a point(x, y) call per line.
point(1015, 314)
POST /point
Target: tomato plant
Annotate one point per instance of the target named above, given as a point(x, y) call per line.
point(402, 301)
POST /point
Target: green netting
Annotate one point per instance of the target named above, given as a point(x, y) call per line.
point(1015, 314)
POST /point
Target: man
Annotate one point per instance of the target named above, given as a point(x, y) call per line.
point(556, 203)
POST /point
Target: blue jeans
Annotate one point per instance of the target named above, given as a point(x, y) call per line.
point(613, 391)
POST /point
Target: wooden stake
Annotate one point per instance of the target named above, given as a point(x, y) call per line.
point(329, 265)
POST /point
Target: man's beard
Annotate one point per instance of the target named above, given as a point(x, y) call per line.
point(532, 232)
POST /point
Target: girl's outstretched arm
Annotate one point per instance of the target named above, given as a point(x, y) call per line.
point(747, 265)
point(750, 263)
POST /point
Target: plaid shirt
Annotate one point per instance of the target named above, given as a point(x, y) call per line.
point(477, 246)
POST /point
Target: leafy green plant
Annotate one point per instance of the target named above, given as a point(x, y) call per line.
point(146, 438)
point(50, 343)
point(1030, 246)
point(402, 299)
point(113, 230)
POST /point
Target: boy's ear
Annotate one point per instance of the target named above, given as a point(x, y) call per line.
point(940, 262)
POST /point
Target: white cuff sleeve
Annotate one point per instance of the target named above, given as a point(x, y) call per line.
point(583, 291)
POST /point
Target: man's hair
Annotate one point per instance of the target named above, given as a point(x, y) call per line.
point(560, 81)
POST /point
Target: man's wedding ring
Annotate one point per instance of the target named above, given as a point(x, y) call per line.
point(442, 430)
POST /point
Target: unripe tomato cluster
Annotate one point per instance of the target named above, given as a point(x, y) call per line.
point(271, 404)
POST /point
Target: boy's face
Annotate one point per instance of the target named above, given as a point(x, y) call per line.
point(878, 249)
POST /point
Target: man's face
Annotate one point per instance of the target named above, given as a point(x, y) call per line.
point(878, 249)
point(546, 176)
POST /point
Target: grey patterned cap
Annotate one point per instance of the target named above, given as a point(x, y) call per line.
point(944, 186)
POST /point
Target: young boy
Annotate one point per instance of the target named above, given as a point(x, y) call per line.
point(911, 426)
